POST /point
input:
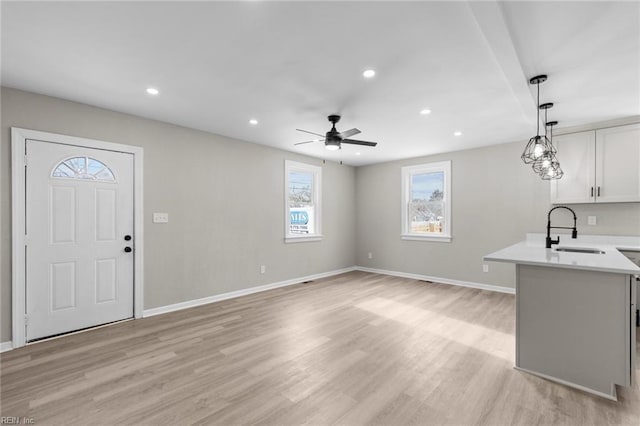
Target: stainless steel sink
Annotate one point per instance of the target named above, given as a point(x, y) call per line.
point(580, 250)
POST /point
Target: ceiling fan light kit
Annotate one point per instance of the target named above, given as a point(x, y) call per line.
point(333, 139)
point(540, 152)
point(332, 146)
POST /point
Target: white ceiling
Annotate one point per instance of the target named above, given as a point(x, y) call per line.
point(290, 64)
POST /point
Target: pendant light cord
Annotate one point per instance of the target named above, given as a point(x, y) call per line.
point(538, 110)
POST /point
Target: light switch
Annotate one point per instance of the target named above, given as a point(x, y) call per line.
point(161, 218)
point(591, 220)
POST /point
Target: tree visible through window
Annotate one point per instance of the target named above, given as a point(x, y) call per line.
point(426, 205)
point(301, 206)
point(302, 200)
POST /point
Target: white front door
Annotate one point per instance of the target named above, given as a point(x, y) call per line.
point(79, 244)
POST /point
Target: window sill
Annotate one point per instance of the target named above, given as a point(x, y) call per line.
point(304, 239)
point(434, 238)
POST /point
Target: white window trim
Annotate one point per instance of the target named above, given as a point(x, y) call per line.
point(407, 172)
point(294, 166)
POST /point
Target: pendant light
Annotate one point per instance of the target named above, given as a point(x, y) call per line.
point(544, 161)
point(537, 145)
point(553, 170)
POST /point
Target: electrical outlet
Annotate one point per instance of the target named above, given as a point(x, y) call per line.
point(161, 218)
point(485, 268)
point(263, 269)
point(591, 220)
point(370, 255)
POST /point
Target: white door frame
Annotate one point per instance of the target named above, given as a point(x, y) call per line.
point(18, 220)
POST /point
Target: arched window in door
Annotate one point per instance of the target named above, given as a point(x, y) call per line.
point(85, 168)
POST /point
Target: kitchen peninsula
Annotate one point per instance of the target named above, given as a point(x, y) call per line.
point(576, 310)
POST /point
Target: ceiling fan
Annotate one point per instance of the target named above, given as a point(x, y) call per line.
point(333, 139)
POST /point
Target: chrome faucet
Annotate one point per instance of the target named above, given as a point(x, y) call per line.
point(574, 232)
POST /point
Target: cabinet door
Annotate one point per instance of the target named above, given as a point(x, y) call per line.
point(576, 153)
point(618, 164)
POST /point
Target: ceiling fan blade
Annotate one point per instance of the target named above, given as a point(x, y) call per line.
point(356, 142)
point(311, 133)
point(315, 140)
point(349, 132)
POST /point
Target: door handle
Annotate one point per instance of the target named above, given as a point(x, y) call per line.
point(127, 237)
point(598, 191)
point(128, 249)
point(592, 191)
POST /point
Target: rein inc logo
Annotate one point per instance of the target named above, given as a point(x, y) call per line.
point(12, 420)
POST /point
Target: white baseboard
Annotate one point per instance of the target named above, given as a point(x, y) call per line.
point(449, 281)
point(613, 396)
point(224, 296)
point(7, 346)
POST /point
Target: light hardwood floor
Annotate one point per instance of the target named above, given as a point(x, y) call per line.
point(357, 348)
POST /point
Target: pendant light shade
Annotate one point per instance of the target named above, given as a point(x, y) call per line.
point(549, 167)
point(552, 172)
point(536, 148)
point(544, 162)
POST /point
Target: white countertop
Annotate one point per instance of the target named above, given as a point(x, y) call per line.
point(532, 251)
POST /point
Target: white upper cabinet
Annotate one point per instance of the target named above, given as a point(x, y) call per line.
point(618, 164)
point(576, 153)
point(601, 166)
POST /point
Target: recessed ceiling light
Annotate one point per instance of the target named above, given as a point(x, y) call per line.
point(369, 73)
point(253, 122)
point(425, 112)
point(152, 91)
point(457, 133)
point(357, 153)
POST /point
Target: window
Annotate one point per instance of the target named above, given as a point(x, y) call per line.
point(85, 168)
point(426, 202)
point(302, 203)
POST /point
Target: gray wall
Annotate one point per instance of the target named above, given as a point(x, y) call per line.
point(496, 200)
point(225, 200)
point(226, 207)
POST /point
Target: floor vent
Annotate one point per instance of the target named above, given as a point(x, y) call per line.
point(426, 281)
point(307, 282)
